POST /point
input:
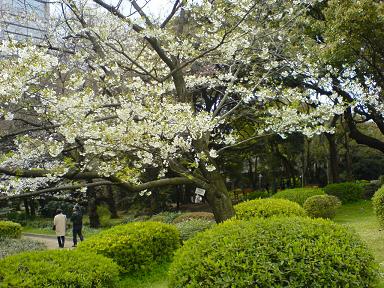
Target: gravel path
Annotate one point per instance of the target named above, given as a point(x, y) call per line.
point(49, 241)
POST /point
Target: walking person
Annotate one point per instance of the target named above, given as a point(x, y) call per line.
point(77, 221)
point(59, 225)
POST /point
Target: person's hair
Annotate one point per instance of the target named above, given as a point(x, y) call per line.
point(59, 211)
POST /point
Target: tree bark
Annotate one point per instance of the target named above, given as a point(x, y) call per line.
point(333, 161)
point(26, 207)
point(218, 197)
point(110, 200)
point(94, 220)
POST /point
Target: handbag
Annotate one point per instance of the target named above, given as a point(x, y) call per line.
point(54, 227)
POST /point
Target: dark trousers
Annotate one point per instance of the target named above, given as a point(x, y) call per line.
point(61, 240)
point(77, 231)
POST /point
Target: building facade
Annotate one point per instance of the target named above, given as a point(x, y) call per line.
point(23, 19)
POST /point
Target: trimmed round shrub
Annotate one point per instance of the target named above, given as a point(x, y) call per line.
point(274, 252)
point(135, 246)
point(10, 229)
point(58, 268)
point(265, 208)
point(322, 206)
point(190, 228)
point(10, 246)
point(298, 195)
point(194, 215)
point(378, 205)
point(347, 192)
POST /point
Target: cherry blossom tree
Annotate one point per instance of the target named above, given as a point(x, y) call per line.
point(115, 92)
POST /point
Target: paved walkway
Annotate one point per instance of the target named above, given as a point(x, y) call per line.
point(48, 240)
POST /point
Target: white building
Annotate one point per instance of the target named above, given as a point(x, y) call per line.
point(22, 19)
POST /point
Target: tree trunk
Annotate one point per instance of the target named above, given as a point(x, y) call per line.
point(32, 206)
point(110, 200)
point(218, 198)
point(348, 158)
point(26, 207)
point(94, 220)
point(333, 161)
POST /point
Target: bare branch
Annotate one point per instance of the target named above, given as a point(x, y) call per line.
point(176, 7)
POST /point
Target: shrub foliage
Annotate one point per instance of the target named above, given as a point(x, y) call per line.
point(135, 246)
point(268, 207)
point(298, 195)
point(59, 268)
point(274, 252)
point(346, 192)
point(322, 206)
point(9, 229)
point(378, 205)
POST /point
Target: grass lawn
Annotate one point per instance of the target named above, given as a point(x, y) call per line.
point(360, 217)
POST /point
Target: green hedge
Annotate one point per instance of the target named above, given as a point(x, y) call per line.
point(322, 206)
point(378, 205)
point(59, 268)
point(135, 246)
point(274, 252)
point(10, 229)
point(268, 207)
point(347, 192)
point(190, 228)
point(298, 195)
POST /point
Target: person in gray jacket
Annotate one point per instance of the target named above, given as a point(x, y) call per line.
point(77, 221)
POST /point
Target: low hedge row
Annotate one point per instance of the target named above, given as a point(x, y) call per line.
point(347, 191)
point(9, 229)
point(135, 246)
point(59, 268)
point(265, 208)
point(298, 195)
point(274, 252)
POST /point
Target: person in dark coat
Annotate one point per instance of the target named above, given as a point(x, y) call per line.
point(77, 224)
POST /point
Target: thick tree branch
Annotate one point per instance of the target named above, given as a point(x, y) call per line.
point(57, 189)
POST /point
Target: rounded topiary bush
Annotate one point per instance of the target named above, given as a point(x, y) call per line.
point(135, 246)
point(194, 215)
point(274, 252)
point(268, 207)
point(9, 229)
point(298, 195)
point(322, 206)
point(378, 205)
point(59, 268)
point(346, 192)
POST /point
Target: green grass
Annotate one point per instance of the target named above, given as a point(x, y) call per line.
point(361, 218)
point(156, 278)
